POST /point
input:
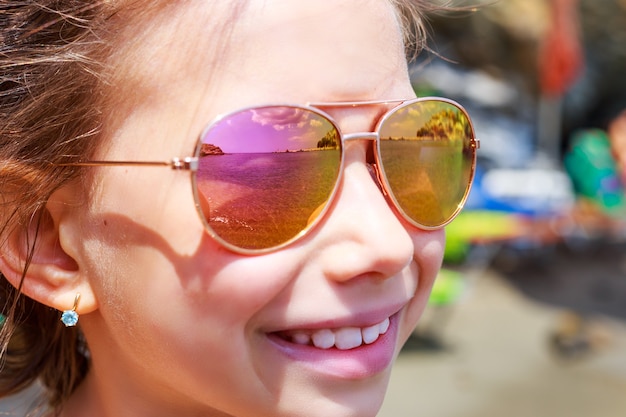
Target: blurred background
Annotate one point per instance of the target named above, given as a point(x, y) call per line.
point(528, 316)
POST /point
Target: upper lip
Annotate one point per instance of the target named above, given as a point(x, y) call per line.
point(360, 318)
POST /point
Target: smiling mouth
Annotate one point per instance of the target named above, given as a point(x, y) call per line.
point(343, 338)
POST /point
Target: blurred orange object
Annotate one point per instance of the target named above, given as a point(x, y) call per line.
point(561, 54)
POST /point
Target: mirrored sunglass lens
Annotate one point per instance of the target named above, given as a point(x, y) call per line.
point(427, 157)
point(266, 173)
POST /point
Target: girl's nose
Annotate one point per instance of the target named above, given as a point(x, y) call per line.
point(361, 234)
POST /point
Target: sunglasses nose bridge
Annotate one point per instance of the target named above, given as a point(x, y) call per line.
point(374, 136)
point(372, 166)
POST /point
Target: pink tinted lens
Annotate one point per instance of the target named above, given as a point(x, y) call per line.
point(265, 174)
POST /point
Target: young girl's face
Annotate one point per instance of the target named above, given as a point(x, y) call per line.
point(186, 327)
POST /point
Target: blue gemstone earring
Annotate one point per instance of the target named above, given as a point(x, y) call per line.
point(70, 317)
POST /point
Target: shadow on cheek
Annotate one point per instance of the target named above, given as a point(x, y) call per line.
point(122, 233)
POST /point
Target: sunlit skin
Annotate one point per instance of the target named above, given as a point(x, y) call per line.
point(179, 326)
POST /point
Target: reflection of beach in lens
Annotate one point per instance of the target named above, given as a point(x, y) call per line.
point(262, 200)
point(428, 178)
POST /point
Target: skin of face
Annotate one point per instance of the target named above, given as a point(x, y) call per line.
point(184, 327)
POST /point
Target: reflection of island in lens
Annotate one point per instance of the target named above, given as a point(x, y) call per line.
point(427, 158)
point(210, 149)
point(260, 200)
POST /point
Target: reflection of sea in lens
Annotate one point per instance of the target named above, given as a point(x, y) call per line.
point(267, 172)
point(426, 159)
point(262, 200)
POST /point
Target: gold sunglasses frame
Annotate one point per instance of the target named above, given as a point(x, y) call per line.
point(190, 163)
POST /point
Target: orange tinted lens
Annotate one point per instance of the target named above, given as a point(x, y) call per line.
point(266, 173)
point(427, 155)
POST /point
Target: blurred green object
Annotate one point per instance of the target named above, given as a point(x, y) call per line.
point(478, 227)
point(447, 289)
point(593, 171)
point(470, 227)
point(456, 250)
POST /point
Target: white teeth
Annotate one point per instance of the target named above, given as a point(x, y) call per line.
point(370, 334)
point(324, 339)
point(348, 338)
point(384, 326)
point(343, 338)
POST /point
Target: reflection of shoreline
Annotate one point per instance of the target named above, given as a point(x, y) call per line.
point(208, 149)
point(327, 148)
point(423, 138)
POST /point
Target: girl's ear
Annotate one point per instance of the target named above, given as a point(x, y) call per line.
point(53, 277)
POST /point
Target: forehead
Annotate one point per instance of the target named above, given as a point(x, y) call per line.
point(193, 38)
point(337, 45)
point(207, 58)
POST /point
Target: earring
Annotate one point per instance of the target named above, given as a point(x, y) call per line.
point(70, 317)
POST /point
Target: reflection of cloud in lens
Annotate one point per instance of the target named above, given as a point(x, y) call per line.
point(280, 118)
point(308, 134)
point(405, 121)
point(299, 125)
point(413, 111)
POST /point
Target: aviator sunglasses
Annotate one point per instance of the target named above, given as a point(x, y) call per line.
point(263, 177)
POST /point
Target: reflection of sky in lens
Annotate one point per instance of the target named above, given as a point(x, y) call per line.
point(405, 121)
point(268, 129)
point(441, 117)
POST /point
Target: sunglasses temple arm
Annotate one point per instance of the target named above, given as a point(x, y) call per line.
point(187, 163)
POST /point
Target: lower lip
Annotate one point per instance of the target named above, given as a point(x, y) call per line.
point(359, 363)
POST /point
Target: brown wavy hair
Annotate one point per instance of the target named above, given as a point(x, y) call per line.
point(49, 54)
point(52, 101)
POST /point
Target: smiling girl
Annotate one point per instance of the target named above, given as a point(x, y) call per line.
point(217, 208)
